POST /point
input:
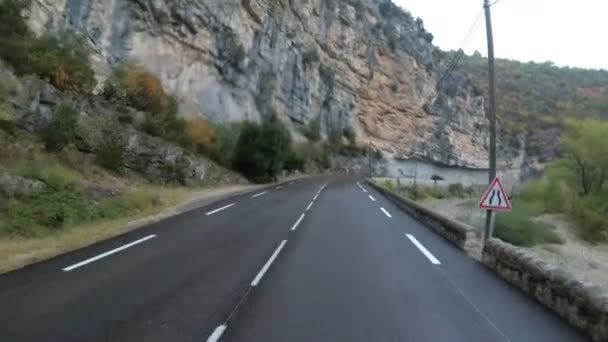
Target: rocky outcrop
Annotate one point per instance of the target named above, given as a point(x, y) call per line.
point(582, 305)
point(152, 157)
point(360, 63)
point(15, 186)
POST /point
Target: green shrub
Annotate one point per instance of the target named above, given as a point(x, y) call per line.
point(224, 142)
point(64, 61)
point(15, 34)
point(457, 190)
point(111, 155)
point(261, 150)
point(313, 130)
point(294, 161)
point(62, 129)
point(388, 185)
point(590, 214)
point(53, 175)
point(517, 227)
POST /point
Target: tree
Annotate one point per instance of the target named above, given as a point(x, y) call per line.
point(587, 147)
point(261, 150)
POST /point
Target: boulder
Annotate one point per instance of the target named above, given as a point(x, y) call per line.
point(160, 161)
point(15, 186)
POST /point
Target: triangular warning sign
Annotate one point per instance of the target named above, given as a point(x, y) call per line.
point(495, 198)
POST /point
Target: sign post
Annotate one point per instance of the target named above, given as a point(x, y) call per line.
point(494, 199)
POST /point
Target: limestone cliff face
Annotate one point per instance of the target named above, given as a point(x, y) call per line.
point(358, 63)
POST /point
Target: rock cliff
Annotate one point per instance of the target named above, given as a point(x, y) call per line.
point(364, 64)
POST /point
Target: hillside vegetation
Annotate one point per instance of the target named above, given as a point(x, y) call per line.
point(536, 98)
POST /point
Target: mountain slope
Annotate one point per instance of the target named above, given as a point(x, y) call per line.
point(533, 99)
point(360, 64)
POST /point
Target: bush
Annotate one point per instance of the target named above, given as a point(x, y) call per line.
point(62, 129)
point(294, 161)
point(517, 227)
point(457, 190)
point(64, 61)
point(54, 176)
point(15, 34)
point(388, 185)
point(200, 133)
point(313, 130)
point(591, 218)
point(261, 150)
point(225, 139)
point(111, 153)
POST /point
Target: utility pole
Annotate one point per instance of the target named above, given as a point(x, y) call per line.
point(369, 157)
point(492, 114)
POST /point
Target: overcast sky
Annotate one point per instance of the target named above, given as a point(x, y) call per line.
point(567, 32)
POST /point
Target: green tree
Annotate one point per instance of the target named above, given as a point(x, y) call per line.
point(261, 150)
point(587, 147)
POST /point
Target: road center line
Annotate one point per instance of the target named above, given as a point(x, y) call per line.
point(295, 226)
point(386, 212)
point(217, 333)
point(423, 249)
point(364, 190)
point(264, 269)
point(260, 194)
point(220, 209)
point(372, 198)
point(100, 256)
point(309, 205)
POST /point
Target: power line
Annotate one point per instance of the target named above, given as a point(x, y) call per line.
point(494, 3)
point(453, 63)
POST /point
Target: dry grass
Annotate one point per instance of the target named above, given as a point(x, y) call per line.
point(18, 252)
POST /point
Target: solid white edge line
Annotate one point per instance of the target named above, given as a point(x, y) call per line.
point(424, 251)
point(295, 226)
point(217, 333)
point(260, 194)
point(220, 209)
point(100, 256)
point(279, 187)
point(386, 212)
point(309, 206)
point(264, 269)
point(372, 198)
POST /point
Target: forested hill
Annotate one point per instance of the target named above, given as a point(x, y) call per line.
point(534, 98)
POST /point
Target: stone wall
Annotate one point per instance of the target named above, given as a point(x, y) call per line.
point(581, 305)
point(456, 232)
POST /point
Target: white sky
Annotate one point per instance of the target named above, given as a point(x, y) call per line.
point(567, 32)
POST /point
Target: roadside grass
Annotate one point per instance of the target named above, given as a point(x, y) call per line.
point(17, 251)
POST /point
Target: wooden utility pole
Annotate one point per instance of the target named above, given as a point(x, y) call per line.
point(492, 112)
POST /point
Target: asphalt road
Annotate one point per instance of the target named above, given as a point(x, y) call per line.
point(301, 262)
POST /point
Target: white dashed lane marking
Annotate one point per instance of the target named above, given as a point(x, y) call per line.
point(386, 212)
point(424, 251)
point(106, 254)
point(220, 209)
